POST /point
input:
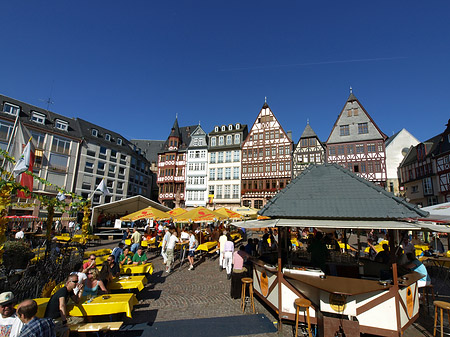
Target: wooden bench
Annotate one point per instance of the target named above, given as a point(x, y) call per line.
point(95, 327)
point(238, 240)
point(212, 251)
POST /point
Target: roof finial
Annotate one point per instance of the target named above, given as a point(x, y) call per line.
point(199, 122)
point(351, 90)
point(307, 121)
point(176, 115)
point(265, 99)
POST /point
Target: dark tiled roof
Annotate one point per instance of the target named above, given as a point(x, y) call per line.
point(308, 132)
point(184, 133)
point(50, 118)
point(431, 145)
point(351, 98)
point(329, 191)
point(151, 148)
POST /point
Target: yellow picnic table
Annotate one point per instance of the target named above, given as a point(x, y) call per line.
point(98, 260)
point(128, 282)
point(144, 243)
point(235, 236)
point(138, 269)
point(104, 305)
point(61, 238)
point(98, 252)
point(207, 246)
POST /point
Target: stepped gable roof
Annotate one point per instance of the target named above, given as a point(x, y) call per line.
point(329, 191)
point(150, 148)
point(308, 132)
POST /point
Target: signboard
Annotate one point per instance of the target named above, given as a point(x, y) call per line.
point(118, 224)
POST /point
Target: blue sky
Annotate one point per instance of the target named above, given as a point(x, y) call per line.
point(131, 66)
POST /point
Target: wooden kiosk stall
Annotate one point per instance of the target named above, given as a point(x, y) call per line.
point(342, 300)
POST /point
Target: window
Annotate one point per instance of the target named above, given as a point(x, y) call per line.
point(216, 129)
point(287, 150)
point(227, 192)
point(370, 147)
point(236, 156)
point(228, 156)
point(5, 130)
point(363, 128)
point(220, 157)
point(113, 154)
point(220, 174)
point(108, 137)
point(212, 158)
point(112, 168)
point(332, 151)
point(380, 147)
point(119, 141)
point(223, 128)
point(281, 150)
point(237, 138)
point(344, 130)
point(350, 149)
point(274, 167)
point(211, 190)
point(235, 191)
point(213, 141)
point(274, 151)
point(60, 145)
point(89, 165)
point(359, 148)
point(238, 126)
point(94, 132)
point(230, 127)
point(340, 149)
point(267, 151)
point(427, 186)
point(228, 173)
point(258, 204)
point(235, 172)
point(219, 192)
point(220, 140)
point(11, 109)
point(61, 125)
point(212, 174)
point(58, 162)
point(103, 151)
point(101, 166)
point(229, 139)
point(37, 117)
point(312, 142)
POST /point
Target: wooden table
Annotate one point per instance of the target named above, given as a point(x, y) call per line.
point(128, 282)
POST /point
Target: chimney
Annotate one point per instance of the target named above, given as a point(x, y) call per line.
point(289, 134)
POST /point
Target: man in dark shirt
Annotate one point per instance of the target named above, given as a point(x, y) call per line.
point(114, 266)
point(56, 307)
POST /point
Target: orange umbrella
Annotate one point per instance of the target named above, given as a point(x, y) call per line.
point(229, 213)
point(177, 211)
point(146, 213)
point(200, 214)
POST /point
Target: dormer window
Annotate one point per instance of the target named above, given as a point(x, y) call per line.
point(238, 126)
point(223, 128)
point(11, 109)
point(108, 137)
point(230, 127)
point(94, 132)
point(216, 129)
point(37, 117)
point(119, 141)
point(61, 125)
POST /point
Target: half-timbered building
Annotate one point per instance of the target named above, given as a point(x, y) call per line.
point(224, 151)
point(309, 150)
point(357, 143)
point(196, 168)
point(443, 164)
point(172, 165)
point(266, 160)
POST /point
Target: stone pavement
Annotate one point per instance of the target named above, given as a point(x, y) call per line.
point(205, 292)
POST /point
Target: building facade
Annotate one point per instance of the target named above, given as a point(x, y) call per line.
point(171, 166)
point(356, 143)
point(196, 169)
point(105, 154)
point(266, 160)
point(224, 165)
point(397, 146)
point(425, 171)
point(309, 151)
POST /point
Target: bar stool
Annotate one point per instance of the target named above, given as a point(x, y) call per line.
point(303, 303)
point(426, 291)
point(245, 281)
point(442, 306)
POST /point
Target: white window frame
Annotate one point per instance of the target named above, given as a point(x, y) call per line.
point(94, 132)
point(61, 125)
point(38, 117)
point(119, 141)
point(14, 109)
point(107, 137)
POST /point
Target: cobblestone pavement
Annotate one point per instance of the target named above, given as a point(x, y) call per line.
point(204, 293)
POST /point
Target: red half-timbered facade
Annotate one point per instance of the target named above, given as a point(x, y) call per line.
point(266, 160)
point(443, 164)
point(172, 165)
point(356, 143)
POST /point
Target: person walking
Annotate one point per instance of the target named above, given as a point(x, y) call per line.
point(164, 244)
point(228, 255)
point(193, 244)
point(170, 249)
point(222, 240)
point(33, 326)
point(135, 240)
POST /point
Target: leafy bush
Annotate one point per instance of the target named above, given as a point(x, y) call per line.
point(16, 255)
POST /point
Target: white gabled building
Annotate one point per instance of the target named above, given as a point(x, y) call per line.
point(196, 169)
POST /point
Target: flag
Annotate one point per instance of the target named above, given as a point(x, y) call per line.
point(61, 196)
point(26, 160)
point(102, 188)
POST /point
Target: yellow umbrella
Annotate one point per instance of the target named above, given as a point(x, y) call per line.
point(229, 213)
point(248, 212)
point(146, 213)
point(177, 211)
point(200, 214)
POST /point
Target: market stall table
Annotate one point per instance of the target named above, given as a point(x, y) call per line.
point(128, 282)
point(207, 246)
point(104, 305)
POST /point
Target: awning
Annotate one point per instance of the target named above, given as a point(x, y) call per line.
point(434, 227)
point(438, 212)
point(253, 224)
